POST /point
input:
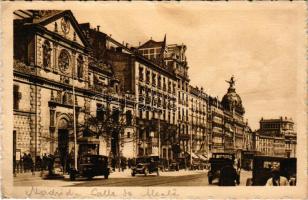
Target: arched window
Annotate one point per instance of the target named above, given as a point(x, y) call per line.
point(80, 66)
point(46, 54)
point(64, 61)
point(65, 98)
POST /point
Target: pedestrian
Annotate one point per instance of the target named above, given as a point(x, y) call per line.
point(113, 164)
point(228, 175)
point(129, 162)
point(277, 179)
point(123, 164)
point(50, 164)
point(30, 163)
point(44, 161)
point(25, 162)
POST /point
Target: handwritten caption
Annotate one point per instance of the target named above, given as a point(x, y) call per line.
point(105, 193)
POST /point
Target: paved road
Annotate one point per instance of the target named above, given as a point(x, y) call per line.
point(182, 178)
point(151, 180)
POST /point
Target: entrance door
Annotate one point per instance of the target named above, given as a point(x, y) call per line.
point(63, 142)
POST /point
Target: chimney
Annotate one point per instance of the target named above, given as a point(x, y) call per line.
point(98, 27)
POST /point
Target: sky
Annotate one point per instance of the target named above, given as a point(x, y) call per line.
point(256, 44)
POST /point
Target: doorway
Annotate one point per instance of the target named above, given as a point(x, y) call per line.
point(63, 146)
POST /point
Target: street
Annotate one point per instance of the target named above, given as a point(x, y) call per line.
point(173, 178)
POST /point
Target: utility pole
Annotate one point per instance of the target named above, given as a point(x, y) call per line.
point(74, 121)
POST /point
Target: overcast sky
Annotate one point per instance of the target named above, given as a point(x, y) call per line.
point(257, 45)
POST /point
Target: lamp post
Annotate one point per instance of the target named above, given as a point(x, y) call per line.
point(74, 121)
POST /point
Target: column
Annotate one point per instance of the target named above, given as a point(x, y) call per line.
point(55, 57)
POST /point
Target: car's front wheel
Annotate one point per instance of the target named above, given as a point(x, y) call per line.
point(210, 179)
point(72, 176)
point(106, 176)
point(146, 172)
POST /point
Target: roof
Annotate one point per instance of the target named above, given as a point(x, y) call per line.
point(151, 44)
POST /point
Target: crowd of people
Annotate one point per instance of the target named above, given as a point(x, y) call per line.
point(26, 163)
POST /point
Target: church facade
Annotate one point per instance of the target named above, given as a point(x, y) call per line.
point(59, 87)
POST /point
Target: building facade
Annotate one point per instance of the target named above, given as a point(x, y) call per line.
point(276, 137)
point(60, 90)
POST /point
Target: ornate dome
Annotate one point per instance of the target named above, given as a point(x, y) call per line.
point(232, 101)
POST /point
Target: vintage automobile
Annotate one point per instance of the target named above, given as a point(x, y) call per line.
point(217, 162)
point(262, 167)
point(89, 166)
point(174, 165)
point(147, 165)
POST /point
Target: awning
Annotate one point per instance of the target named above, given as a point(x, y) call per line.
point(193, 155)
point(202, 157)
point(88, 140)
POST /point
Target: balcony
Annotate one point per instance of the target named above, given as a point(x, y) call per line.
point(96, 88)
point(141, 98)
point(184, 137)
point(25, 69)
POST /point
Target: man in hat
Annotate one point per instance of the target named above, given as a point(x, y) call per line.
point(276, 179)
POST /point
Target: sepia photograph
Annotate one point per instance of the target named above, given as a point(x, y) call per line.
point(159, 95)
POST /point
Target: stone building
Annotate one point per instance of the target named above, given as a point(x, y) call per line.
point(228, 130)
point(59, 86)
point(276, 137)
point(171, 57)
point(198, 101)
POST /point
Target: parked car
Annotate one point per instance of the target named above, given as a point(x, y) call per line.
point(183, 162)
point(217, 162)
point(174, 166)
point(91, 165)
point(147, 165)
point(262, 167)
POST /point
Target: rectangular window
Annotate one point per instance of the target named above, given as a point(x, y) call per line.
point(128, 118)
point(17, 97)
point(128, 134)
point(100, 111)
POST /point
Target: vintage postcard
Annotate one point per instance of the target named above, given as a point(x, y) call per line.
point(152, 100)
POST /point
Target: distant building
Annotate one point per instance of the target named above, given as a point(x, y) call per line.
point(276, 137)
point(228, 130)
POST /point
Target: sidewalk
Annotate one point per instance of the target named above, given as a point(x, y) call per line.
point(27, 175)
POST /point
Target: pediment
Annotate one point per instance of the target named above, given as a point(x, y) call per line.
point(65, 25)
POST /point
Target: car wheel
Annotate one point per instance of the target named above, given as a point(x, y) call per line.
point(106, 176)
point(238, 180)
point(89, 177)
point(133, 174)
point(210, 179)
point(249, 182)
point(146, 171)
point(72, 176)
